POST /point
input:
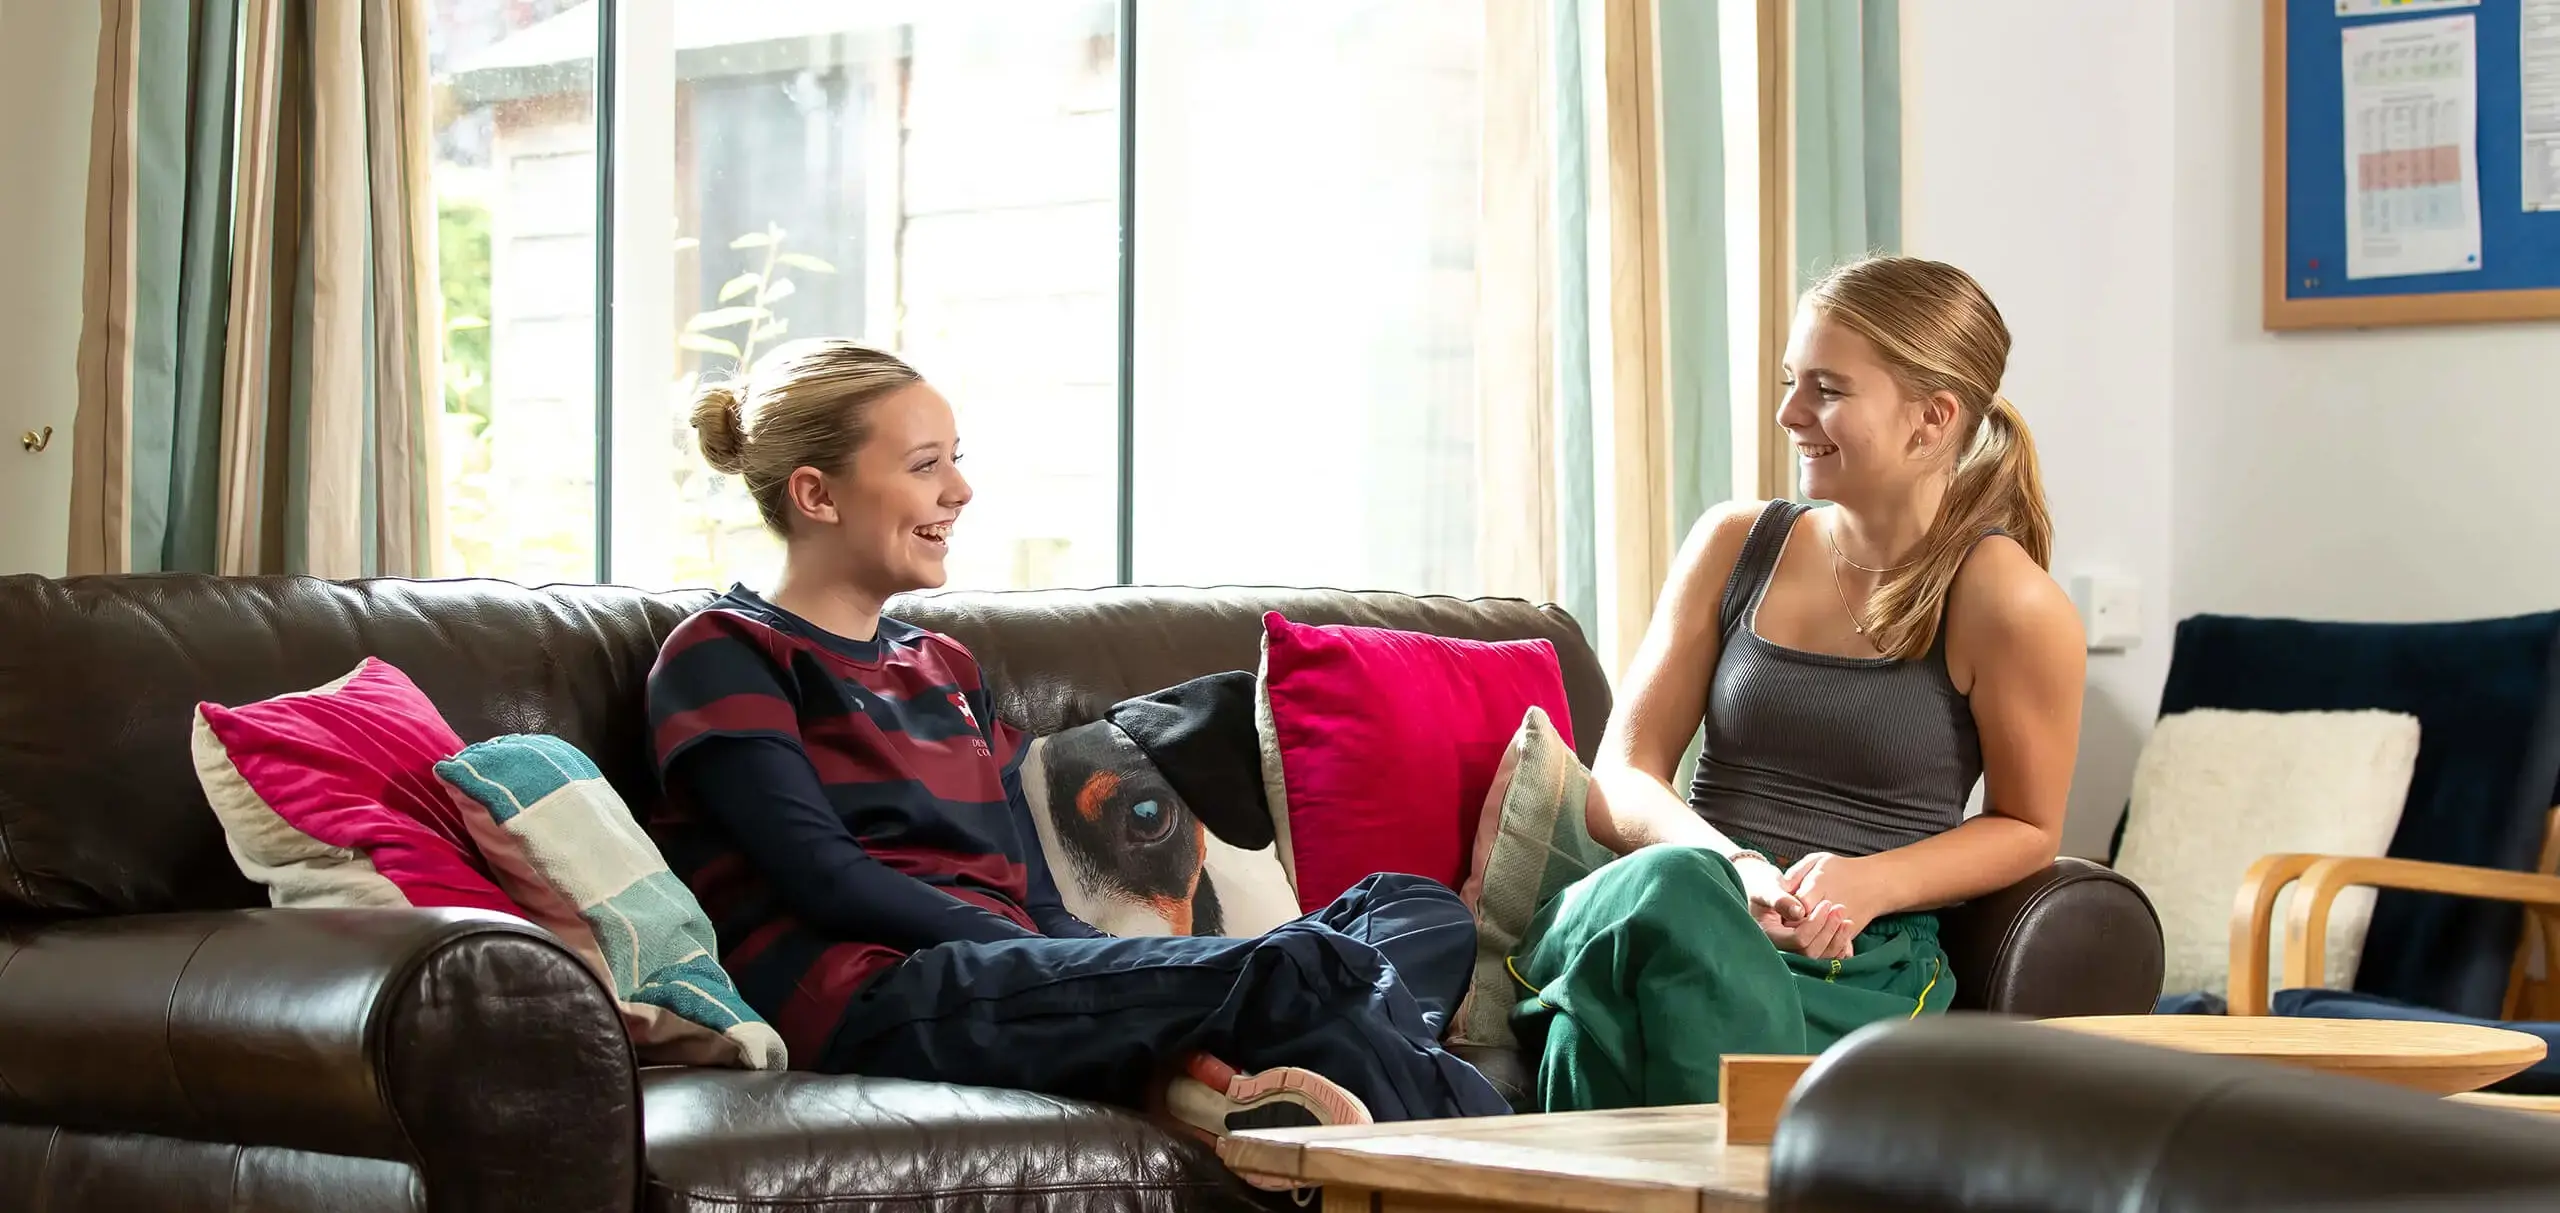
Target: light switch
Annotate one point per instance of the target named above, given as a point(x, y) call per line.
point(2110, 610)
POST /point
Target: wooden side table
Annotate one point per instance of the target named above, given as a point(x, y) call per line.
point(1634, 1160)
point(2437, 1058)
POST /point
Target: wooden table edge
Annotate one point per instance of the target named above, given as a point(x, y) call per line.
point(1300, 1156)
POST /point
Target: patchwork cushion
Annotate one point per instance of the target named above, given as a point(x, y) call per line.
point(328, 797)
point(1148, 827)
point(1379, 746)
point(561, 842)
point(1531, 843)
point(2214, 790)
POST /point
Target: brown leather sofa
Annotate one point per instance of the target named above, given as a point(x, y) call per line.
point(166, 1044)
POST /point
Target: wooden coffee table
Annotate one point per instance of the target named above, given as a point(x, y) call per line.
point(1636, 1160)
point(2437, 1058)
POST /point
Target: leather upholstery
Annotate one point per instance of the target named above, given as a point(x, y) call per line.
point(1975, 1112)
point(66, 1171)
point(719, 1143)
point(159, 1043)
point(464, 1045)
point(2074, 939)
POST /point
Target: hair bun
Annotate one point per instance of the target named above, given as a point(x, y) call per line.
point(720, 429)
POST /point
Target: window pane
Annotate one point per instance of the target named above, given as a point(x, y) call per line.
point(515, 189)
point(940, 180)
point(1306, 255)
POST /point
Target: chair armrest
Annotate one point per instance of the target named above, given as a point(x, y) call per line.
point(2075, 939)
point(2322, 878)
point(467, 1045)
point(2252, 914)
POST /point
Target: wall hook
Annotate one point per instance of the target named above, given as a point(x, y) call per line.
point(36, 442)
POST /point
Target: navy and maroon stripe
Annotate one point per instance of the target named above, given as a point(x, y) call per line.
point(907, 752)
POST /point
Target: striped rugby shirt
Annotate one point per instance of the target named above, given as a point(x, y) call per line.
point(836, 804)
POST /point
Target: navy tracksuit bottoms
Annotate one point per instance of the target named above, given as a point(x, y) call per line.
point(1358, 992)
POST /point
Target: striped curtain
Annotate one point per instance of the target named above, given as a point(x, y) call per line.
point(257, 374)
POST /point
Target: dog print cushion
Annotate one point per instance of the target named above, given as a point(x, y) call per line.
point(1152, 819)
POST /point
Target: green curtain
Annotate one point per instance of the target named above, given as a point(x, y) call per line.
point(1696, 260)
point(1848, 99)
point(1577, 539)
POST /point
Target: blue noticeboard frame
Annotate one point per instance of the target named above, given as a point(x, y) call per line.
point(2306, 230)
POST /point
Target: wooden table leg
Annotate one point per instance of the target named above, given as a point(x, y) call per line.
point(1339, 1199)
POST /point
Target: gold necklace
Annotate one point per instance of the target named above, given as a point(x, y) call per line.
point(1856, 623)
point(1829, 538)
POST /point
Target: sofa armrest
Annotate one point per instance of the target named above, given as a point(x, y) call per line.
point(2075, 939)
point(468, 1045)
point(1975, 1112)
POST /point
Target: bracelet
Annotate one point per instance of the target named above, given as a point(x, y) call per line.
point(1746, 853)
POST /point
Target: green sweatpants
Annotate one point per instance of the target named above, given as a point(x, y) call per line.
point(1642, 975)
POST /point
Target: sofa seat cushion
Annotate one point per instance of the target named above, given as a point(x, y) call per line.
point(730, 1141)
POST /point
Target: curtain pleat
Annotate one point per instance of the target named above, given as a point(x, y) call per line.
point(1848, 132)
point(246, 544)
point(101, 468)
point(407, 307)
point(191, 535)
point(335, 396)
point(1577, 500)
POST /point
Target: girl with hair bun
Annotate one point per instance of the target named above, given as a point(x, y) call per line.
point(847, 806)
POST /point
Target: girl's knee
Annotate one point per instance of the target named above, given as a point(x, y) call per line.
point(1404, 886)
point(1673, 867)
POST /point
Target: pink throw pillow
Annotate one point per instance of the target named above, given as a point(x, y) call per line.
point(329, 797)
point(1379, 746)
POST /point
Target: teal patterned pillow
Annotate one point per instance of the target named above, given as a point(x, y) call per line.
point(561, 843)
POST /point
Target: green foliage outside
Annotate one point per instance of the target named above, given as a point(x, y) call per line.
point(462, 251)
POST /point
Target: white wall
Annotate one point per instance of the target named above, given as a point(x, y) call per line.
point(48, 65)
point(2390, 474)
point(2037, 156)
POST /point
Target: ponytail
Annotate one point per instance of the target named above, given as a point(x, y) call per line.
point(1998, 487)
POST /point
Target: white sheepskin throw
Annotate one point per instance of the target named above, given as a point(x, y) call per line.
point(2214, 790)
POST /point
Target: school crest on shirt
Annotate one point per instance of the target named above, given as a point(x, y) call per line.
point(978, 735)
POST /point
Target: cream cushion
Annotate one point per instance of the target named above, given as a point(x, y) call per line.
point(2216, 789)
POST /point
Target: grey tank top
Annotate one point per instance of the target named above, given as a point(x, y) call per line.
point(1812, 752)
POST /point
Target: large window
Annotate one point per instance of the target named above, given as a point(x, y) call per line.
point(1296, 306)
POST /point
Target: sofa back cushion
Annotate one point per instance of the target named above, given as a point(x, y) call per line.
point(101, 812)
point(100, 808)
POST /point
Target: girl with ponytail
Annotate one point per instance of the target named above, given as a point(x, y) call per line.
point(1857, 668)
